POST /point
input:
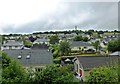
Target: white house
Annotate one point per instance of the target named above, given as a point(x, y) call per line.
point(41, 41)
point(76, 45)
point(12, 44)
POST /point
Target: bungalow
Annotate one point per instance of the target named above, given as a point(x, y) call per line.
point(76, 45)
point(90, 62)
point(12, 44)
point(41, 41)
point(31, 57)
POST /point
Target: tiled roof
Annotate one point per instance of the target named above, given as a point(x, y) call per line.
point(37, 57)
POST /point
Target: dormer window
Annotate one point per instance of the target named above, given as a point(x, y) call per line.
point(19, 57)
point(28, 57)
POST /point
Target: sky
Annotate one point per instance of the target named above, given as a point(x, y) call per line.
point(28, 16)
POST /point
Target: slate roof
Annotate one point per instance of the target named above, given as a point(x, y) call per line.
point(80, 43)
point(12, 43)
point(37, 57)
point(89, 62)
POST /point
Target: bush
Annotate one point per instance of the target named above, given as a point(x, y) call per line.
point(28, 44)
point(103, 75)
point(55, 54)
point(54, 74)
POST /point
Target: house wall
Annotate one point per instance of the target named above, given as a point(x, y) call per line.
point(77, 67)
point(12, 47)
point(77, 47)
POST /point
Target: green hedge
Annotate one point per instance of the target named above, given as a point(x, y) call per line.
point(103, 75)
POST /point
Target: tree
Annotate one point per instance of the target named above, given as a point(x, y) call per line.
point(78, 38)
point(27, 44)
point(100, 32)
point(12, 72)
point(96, 45)
point(85, 39)
point(32, 39)
point(89, 32)
point(64, 48)
point(114, 45)
point(54, 39)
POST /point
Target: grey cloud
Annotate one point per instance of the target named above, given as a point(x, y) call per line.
point(102, 16)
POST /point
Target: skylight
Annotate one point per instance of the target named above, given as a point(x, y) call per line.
point(19, 57)
point(28, 57)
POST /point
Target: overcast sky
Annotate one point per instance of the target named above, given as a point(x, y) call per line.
point(28, 16)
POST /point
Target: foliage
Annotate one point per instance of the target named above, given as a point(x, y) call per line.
point(55, 51)
point(75, 51)
point(32, 39)
point(12, 72)
point(64, 48)
point(55, 54)
point(54, 39)
point(96, 44)
point(78, 38)
point(85, 39)
point(89, 32)
point(57, 61)
point(114, 45)
point(54, 74)
point(27, 44)
point(103, 75)
point(100, 32)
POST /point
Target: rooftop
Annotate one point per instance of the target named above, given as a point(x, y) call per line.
point(29, 57)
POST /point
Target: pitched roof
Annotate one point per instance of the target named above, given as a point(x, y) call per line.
point(80, 43)
point(13, 43)
point(31, 57)
point(89, 62)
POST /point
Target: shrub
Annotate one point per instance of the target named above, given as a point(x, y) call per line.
point(55, 53)
point(103, 75)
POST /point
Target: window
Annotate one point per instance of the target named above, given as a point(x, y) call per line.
point(28, 57)
point(19, 57)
